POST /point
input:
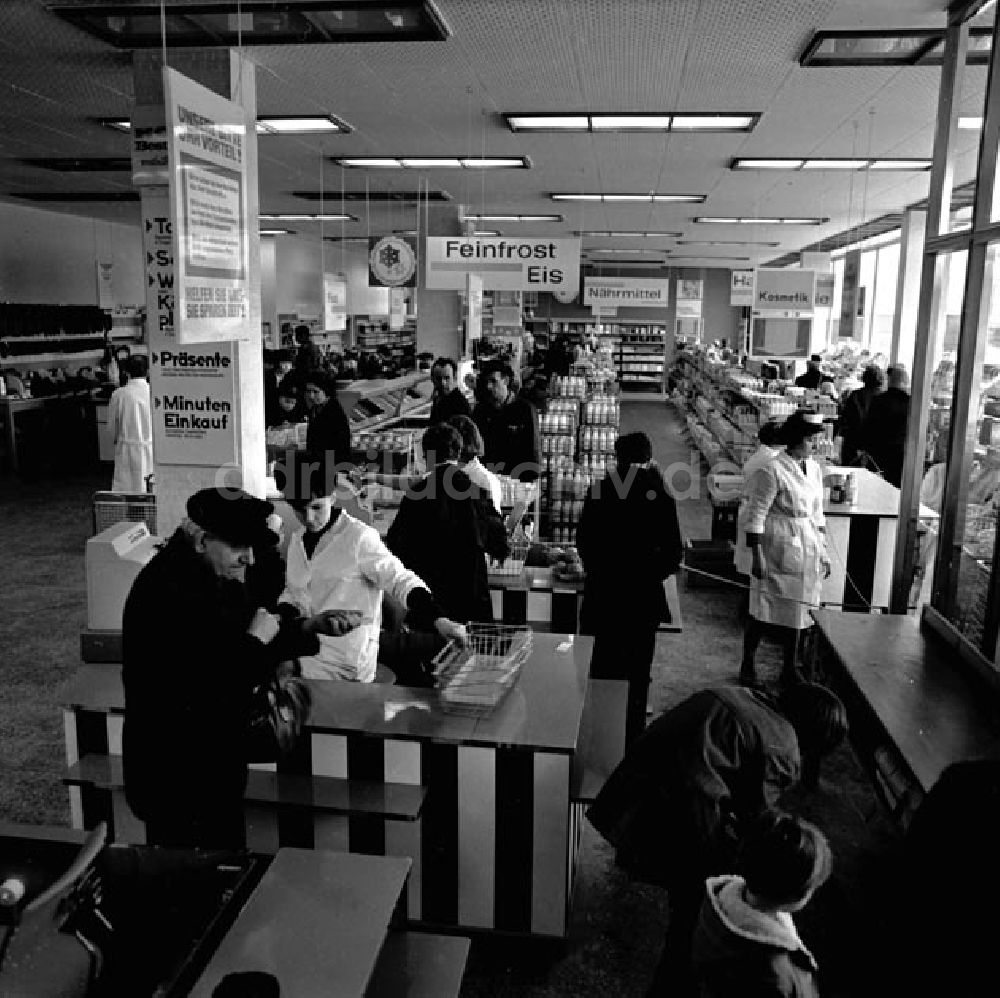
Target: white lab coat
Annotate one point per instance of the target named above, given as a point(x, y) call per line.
point(480, 475)
point(764, 455)
point(132, 432)
point(785, 505)
point(349, 570)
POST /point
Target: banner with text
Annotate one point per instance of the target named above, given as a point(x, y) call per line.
point(334, 303)
point(741, 288)
point(158, 258)
point(786, 294)
point(208, 194)
point(824, 291)
point(505, 264)
point(850, 297)
point(191, 397)
point(617, 292)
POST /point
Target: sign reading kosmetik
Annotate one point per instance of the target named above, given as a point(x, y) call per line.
point(621, 291)
point(785, 293)
point(505, 264)
point(194, 419)
point(208, 193)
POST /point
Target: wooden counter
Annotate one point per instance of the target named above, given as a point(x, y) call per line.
point(861, 539)
point(494, 846)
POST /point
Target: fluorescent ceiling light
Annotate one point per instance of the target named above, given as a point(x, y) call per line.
point(733, 220)
point(275, 232)
point(631, 198)
point(299, 125)
point(613, 249)
point(515, 218)
point(614, 234)
point(548, 122)
point(308, 218)
point(872, 242)
point(433, 162)
point(675, 259)
point(900, 164)
point(765, 164)
point(970, 122)
point(714, 122)
point(489, 233)
point(119, 124)
point(723, 242)
point(834, 164)
point(630, 122)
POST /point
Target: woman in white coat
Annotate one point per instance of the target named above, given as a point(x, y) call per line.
point(786, 535)
point(768, 450)
point(132, 428)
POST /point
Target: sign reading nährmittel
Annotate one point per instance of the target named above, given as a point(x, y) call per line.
point(505, 264)
point(789, 293)
point(632, 291)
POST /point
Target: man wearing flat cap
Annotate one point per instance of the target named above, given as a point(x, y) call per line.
point(194, 647)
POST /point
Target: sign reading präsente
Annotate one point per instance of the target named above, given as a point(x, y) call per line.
point(504, 263)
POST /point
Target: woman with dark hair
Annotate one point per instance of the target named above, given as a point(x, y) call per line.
point(786, 535)
point(328, 438)
point(630, 541)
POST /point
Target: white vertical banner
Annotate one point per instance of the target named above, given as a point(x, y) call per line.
point(105, 292)
point(208, 194)
point(474, 306)
point(158, 260)
point(397, 308)
point(334, 303)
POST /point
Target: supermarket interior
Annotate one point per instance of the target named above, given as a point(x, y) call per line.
point(505, 505)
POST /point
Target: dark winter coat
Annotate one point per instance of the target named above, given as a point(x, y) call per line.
point(740, 952)
point(511, 441)
point(630, 541)
point(852, 420)
point(884, 432)
point(188, 668)
point(443, 407)
point(675, 801)
point(328, 438)
point(444, 526)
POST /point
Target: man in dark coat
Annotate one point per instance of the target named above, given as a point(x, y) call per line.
point(854, 412)
point(630, 541)
point(444, 526)
point(194, 647)
point(674, 806)
point(509, 426)
point(884, 430)
point(448, 399)
point(813, 376)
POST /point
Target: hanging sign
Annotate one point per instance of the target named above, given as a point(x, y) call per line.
point(150, 152)
point(105, 291)
point(824, 291)
point(397, 308)
point(634, 292)
point(505, 263)
point(334, 303)
point(392, 263)
point(158, 259)
point(474, 307)
point(741, 288)
point(786, 294)
point(849, 296)
point(208, 193)
point(191, 398)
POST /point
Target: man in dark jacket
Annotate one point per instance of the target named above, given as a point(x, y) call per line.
point(448, 399)
point(194, 647)
point(813, 376)
point(444, 526)
point(884, 430)
point(630, 541)
point(675, 805)
point(328, 436)
point(854, 412)
point(509, 426)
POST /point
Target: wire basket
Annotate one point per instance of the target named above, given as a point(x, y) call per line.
point(473, 680)
point(513, 565)
point(113, 507)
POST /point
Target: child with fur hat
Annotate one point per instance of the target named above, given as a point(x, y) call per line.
point(745, 943)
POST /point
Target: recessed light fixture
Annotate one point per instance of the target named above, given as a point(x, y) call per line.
point(396, 197)
point(827, 163)
point(970, 122)
point(676, 259)
point(632, 198)
point(229, 23)
point(308, 218)
point(631, 122)
point(742, 220)
point(81, 164)
point(266, 124)
point(872, 242)
point(615, 234)
point(723, 242)
point(515, 218)
point(276, 232)
point(300, 124)
point(616, 249)
point(433, 162)
point(487, 233)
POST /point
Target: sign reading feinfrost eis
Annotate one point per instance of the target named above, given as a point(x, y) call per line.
point(504, 263)
point(208, 192)
point(784, 293)
point(194, 419)
point(620, 291)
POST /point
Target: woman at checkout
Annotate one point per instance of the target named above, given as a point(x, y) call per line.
point(786, 535)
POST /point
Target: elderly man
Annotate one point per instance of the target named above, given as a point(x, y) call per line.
point(194, 647)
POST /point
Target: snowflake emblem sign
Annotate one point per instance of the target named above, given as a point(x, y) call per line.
point(389, 257)
point(392, 261)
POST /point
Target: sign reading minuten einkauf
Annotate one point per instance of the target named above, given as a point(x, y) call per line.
point(505, 264)
point(193, 411)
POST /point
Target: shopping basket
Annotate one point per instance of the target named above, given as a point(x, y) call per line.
point(113, 507)
point(472, 680)
point(513, 564)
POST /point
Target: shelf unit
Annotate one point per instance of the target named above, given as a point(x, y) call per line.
point(641, 357)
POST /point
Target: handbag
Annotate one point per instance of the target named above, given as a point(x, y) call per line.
point(278, 710)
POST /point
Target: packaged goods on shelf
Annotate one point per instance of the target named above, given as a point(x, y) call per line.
point(571, 386)
point(601, 410)
point(597, 439)
point(513, 491)
point(553, 443)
